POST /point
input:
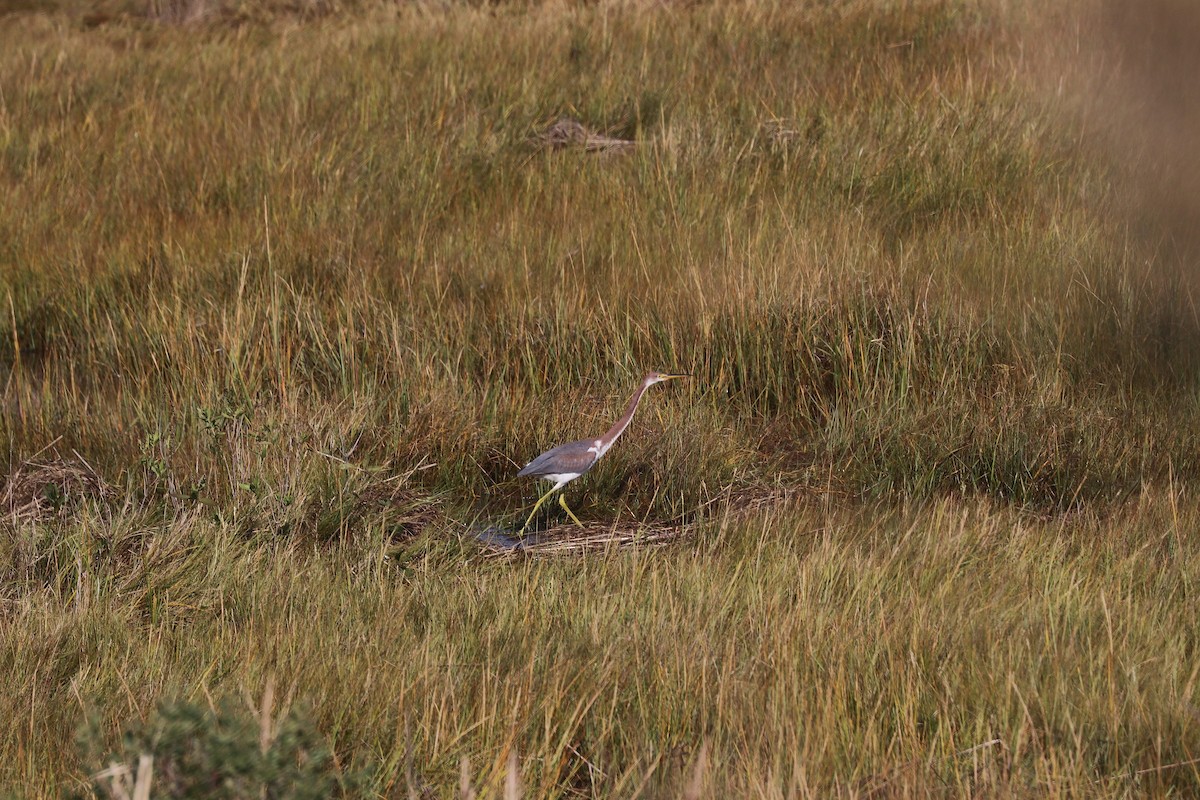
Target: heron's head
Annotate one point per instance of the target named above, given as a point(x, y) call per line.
point(658, 377)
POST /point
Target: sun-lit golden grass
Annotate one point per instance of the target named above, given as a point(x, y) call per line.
point(291, 292)
point(813, 649)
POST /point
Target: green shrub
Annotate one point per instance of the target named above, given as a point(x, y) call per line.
point(219, 753)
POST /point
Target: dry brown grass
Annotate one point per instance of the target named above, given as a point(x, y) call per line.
point(570, 133)
point(289, 297)
point(41, 490)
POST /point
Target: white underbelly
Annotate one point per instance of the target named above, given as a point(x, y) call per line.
point(561, 477)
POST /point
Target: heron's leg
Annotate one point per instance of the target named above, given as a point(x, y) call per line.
point(562, 501)
point(536, 506)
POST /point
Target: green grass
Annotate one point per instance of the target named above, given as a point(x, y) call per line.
point(291, 294)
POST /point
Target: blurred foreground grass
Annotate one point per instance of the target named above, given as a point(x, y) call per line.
point(292, 293)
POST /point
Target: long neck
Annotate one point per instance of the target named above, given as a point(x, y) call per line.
point(606, 441)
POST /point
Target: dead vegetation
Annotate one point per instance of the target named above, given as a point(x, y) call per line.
point(571, 540)
point(42, 489)
point(567, 133)
point(299, 298)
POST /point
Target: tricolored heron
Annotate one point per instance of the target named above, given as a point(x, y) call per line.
point(567, 462)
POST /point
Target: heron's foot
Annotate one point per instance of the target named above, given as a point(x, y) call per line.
point(562, 501)
point(533, 513)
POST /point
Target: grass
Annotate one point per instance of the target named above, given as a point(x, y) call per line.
point(292, 293)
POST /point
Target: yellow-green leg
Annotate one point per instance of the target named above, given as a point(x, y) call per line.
point(536, 506)
point(562, 501)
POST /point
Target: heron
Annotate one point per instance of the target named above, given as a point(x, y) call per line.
point(567, 462)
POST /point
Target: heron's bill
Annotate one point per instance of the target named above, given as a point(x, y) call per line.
point(673, 377)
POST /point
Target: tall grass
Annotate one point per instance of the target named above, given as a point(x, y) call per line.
point(291, 293)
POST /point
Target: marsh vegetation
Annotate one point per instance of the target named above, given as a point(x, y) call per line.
point(291, 292)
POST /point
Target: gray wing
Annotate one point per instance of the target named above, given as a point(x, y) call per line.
point(569, 457)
